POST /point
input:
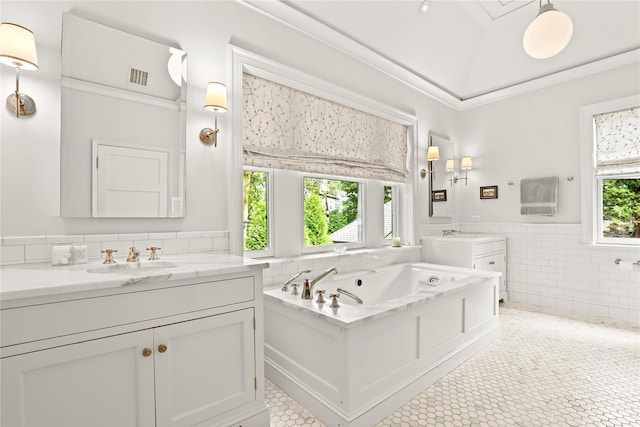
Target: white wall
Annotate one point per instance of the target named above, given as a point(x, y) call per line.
point(30, 147)
point(532, 135)
point(525, 136)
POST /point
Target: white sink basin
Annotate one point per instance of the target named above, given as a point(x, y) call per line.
point(133, 267)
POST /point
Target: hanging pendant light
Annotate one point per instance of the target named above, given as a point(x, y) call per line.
point(548, 34)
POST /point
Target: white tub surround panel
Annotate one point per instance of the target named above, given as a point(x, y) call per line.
point(355, 365)
point(549, 266)
point(37, 249)
point(176, 342)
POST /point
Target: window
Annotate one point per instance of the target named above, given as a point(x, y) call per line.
point(390, 217)
point(256, 205)
point(611, 172)
point(332, 212)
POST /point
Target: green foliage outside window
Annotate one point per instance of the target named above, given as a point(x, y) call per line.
point(321, 219)
point(255, 210)
point(621, 208)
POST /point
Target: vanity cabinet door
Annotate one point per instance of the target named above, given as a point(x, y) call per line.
point(495, 262)
point(204, 367)
point(103, 382)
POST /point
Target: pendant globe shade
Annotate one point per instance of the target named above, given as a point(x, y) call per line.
point(548, 34)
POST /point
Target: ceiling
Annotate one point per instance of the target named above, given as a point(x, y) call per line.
point(467, 52)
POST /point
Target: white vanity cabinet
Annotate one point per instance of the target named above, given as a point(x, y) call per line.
point(480, 252)
point(178, 354)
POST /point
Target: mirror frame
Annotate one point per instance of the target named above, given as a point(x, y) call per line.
point(431, 171)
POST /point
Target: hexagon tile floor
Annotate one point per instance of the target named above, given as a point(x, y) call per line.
point(546, 369)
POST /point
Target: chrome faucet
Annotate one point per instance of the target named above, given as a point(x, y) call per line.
point(349, 294)
point(321, 277)
point(285, 287)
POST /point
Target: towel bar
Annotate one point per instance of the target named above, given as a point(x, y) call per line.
point(619, 260)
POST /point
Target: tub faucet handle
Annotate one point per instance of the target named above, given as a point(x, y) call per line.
point(294, 291)
point(320, 294)
point(334, 300)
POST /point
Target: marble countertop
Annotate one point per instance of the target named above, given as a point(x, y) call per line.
point(471, 237)
point(31, 281)
point(350, 314)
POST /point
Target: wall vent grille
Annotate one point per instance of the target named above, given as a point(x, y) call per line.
point(138, 77)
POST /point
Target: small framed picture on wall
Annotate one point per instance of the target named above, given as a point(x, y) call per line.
point(439, 195)
point(489, 192)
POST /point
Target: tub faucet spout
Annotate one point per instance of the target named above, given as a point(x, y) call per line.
point(285, 287)
point(321, 277)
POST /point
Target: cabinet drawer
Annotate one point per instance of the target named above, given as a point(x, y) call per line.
point(33, 323)
point(485, 248)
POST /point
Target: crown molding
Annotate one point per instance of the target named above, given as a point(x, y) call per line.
point(293, 18)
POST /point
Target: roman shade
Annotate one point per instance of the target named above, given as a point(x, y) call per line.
point(618, 142)
point(284, 128)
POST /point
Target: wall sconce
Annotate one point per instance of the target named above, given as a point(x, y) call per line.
point(450, 167)
point(548, 34)
point(216, 101)
point(18, 50)
point(433, 153)
point(465, 164)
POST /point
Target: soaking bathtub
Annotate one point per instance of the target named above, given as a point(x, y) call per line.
point(354, 365)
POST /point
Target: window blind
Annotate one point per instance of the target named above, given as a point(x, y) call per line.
point(618, 142)
point(284, 128)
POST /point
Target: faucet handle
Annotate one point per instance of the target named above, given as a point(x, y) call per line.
point(153, 255)
point(334, 300)
point(109, 257)
point(295, 289)
point(320, 294)
point(285, 287)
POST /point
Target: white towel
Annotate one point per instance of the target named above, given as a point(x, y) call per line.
point(539, 196)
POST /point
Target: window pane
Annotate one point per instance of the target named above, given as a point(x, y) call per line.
point(621, 208)
point(331, 212)
point(388, 212)
point(254, 199)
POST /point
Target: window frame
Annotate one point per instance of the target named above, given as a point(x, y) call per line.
point(242, 61)
point(362, 189)
point(591, 185)
point(395, 211)
point(270, 250)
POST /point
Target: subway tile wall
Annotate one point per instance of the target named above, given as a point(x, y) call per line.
point(37, 249)
point(549, 266)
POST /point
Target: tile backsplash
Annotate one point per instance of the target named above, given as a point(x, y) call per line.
point(549, 266)
point(37, 249)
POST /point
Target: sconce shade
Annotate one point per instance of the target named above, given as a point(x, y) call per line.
point(466, 163)
point(216, 97)
point(548, 34)
point(18, 47)
point(449, 166)
point(433, 153)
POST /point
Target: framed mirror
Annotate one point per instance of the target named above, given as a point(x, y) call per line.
point(123, 124)
point(441, 186)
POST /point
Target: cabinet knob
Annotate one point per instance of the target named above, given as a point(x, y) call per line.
point(146, 352)
point(492, 263)
point(162, 348)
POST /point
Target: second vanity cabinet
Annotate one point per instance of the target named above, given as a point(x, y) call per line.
point(170, 356)
point(480, 252)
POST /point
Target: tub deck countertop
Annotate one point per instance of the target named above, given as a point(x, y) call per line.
point(351, 314)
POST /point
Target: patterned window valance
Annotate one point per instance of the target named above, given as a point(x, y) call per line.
point(284, 128)
point(618, 142)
